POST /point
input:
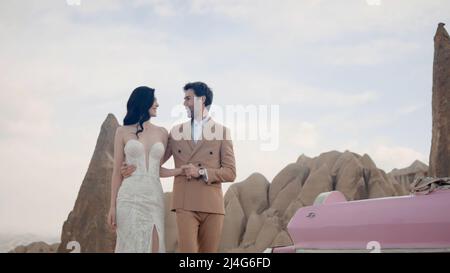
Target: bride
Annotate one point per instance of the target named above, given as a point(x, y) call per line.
point(137, 202)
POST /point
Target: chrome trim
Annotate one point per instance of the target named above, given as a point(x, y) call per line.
point(268, 250)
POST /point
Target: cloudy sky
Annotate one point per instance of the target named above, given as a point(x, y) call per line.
point(351, 74)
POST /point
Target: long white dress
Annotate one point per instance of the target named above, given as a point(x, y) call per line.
point(140, 201)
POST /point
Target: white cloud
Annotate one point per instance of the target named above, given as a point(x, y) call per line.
point(24, 115)
point(304, 136)
point(327, 98)
point(409, 109)
point(270, 88)
point(311, 20)
point(390, 157)
point(162, 8)
point(92, 7)
point(365, 52)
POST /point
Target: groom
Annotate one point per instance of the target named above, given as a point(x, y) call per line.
point(204, 150)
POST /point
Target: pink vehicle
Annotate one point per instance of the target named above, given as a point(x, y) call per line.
point(413, 223)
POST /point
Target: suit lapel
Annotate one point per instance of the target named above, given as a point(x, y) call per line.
point(198, 145)
point(191, 144)
point(187, 142)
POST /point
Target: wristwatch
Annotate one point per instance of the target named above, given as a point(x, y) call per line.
point(203, 173)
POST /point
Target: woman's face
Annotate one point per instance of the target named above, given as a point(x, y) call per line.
point(153, 111)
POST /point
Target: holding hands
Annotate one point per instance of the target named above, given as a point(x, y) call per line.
point(190, 171)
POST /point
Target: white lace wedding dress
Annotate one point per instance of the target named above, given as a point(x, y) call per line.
point(140, 201)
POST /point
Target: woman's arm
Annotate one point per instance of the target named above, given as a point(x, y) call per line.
point(167, 142)
point(116, 179)
point(164, 172)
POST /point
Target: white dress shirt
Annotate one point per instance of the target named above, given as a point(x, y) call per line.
point(197, 134)
point(197, 129)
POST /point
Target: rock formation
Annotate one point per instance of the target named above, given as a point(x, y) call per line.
point(37, 247)
point(257, 212)
point(86, 223)
point(440, 145)
point(407, 175)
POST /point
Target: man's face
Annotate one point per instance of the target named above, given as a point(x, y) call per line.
point(193, 104)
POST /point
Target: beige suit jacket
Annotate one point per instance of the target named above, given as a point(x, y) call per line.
point(214, 152)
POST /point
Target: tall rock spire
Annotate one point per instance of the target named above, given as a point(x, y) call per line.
point(440, 145)
point(86, 223)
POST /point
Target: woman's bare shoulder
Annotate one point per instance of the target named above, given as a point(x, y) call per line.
point(119, 130)
point(164, 134)
point(161, 129)
point(125, 130)
point(164, 131)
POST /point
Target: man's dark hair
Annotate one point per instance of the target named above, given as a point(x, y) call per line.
point(201, 89)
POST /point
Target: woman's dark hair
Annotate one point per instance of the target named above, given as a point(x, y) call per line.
point(201, 89)
point(138, 105)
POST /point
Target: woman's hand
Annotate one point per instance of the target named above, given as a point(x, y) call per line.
point(112, 218)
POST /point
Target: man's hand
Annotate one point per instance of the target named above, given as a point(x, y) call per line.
point(127, 170)
point(190, 171)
